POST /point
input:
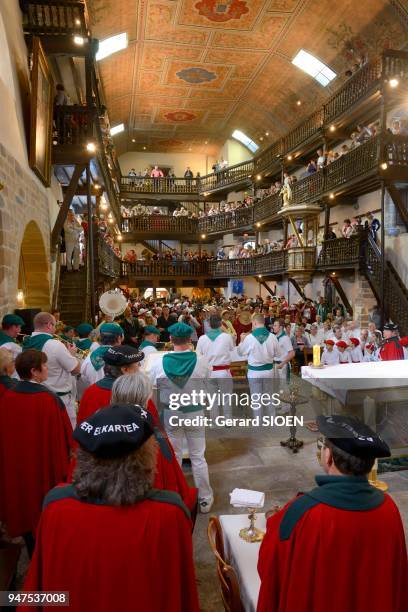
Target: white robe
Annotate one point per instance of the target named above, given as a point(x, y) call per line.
point(217, 352)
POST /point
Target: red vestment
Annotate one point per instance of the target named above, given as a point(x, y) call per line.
point(241, 329)
point(35, 442)
point(6, 382)
point(391, 350)
point(115, 558)
point(169, 474)
point(335, 559)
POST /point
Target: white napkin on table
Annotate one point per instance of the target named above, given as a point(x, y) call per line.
point(245, 498)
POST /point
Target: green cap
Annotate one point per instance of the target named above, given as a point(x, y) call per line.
point(68, 328)
point(84, 329)
point(12, 319)
point(180, 330)
point(111, 328)
point(150, 329)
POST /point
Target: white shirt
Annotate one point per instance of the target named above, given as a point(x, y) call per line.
point(316, 340)
point(147, 350)
point(218, 351)
point(330, 357)
point(258, 354)
point(285, 347)
point(60, 365)
point(344, 357)
point(89, 375)
point(166, 387)
point(14, 348)
point(356, 354)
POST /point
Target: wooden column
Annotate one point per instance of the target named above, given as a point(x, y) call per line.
point(91, 254)
point(326, 221)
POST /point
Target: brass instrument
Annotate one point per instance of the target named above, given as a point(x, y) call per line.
point(83, 354)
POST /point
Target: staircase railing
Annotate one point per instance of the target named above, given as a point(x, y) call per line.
point(341, 252)
point(107, 262)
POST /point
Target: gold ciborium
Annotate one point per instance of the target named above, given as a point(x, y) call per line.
point(251, 533)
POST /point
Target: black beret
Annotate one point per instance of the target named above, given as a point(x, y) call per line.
point(352, 436)
point(122, 355)
point(391, 326)
point(115, 431)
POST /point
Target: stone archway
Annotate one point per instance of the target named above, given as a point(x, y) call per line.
point(33, 275)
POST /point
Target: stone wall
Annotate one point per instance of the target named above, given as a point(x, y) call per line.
point(22, 200)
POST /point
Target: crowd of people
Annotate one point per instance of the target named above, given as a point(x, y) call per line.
point(96, 458)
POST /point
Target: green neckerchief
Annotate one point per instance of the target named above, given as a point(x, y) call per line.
point(158, 495)
point(179, 366)
point(213, 334)
point(105, 383)
point(96, 357)
point(5, 338)
point(261, 334)
point(344, 492)
point(84, 344)
point(36, 342)
point(283, 333)
point(147, 343)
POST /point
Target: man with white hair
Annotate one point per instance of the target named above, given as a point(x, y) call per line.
point(62, 362)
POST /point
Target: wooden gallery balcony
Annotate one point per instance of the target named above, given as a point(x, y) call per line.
point(149, 187)
point(74, 128)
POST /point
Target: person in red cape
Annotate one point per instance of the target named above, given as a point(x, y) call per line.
point(35, 443)
point(110, 539)
point(340, 546)
point(123, 360)
point(7, 368)
point(242, 323)
point(391, 348)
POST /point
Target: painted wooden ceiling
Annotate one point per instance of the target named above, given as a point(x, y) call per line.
point(195, 70)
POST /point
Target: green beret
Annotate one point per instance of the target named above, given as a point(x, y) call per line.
point(180, 330)
point(68, 328)
point(111, 328)
point(84, 329)
point(12, 319)
point(150, 329)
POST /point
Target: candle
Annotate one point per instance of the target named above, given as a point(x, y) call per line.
point(316, 356)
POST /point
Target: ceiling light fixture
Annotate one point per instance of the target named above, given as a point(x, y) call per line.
point(117, 129)
point(384, 166)
point(110, 45)
point(331, 196)
point(91, 147)
point(79, 40)
point(261, 138)
point(144, 148)
point(290, 158)
point(258, 224)
point(77, 21)
point(203, 236)
point(314, 67)
point(266, 133)
point(394, 83)
point(258, 177)
point(299, 103)
point(133, 139)
point(332, 128)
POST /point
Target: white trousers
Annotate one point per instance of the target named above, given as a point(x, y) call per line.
point(195, 437)
point(70, 405)
point(72, 249)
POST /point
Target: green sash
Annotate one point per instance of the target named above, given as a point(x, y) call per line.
point(96, 357)
point(344, 492)
point(266, 366)
point(36, 342)
point(213, 334)
point(84, 344)
point(4, 338)
point(179, 366)
point(261, 334)
point(69, 492)
point(147, 343)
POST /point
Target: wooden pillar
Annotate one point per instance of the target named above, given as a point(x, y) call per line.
point(326, 221)
point(383, 294)
point(91, 255)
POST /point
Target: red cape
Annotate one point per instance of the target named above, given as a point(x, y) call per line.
point(169, 473)
point(35, 442)
point(113, 558)
point(335, 560)
point(391, 350)
point(241, 329)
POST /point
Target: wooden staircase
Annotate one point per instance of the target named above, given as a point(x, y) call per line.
point(72, 296)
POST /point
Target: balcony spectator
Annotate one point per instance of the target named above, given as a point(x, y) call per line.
point(330, 157)
point(60, 98)
point(344, 150)
point(292, 242)
point(373, 225)
point(311, 167)
point(363, 134)
point(321, 159)
point(347, 229)
point(132, 176)
point(72, 231)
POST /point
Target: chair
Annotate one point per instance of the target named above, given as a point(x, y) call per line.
point(230, 593)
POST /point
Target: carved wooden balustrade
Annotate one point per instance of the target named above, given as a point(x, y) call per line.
point(341, 252)
point(160, 224)
point(303, 131)
point(47, 17)
point(137, 184)
point(224, 222)
point(74, 125)
point(395, 150)
point(233, 175)
point(106, 261)
point(268, 207)
point(274, 263)
point(359, 161)
point(269, 158)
